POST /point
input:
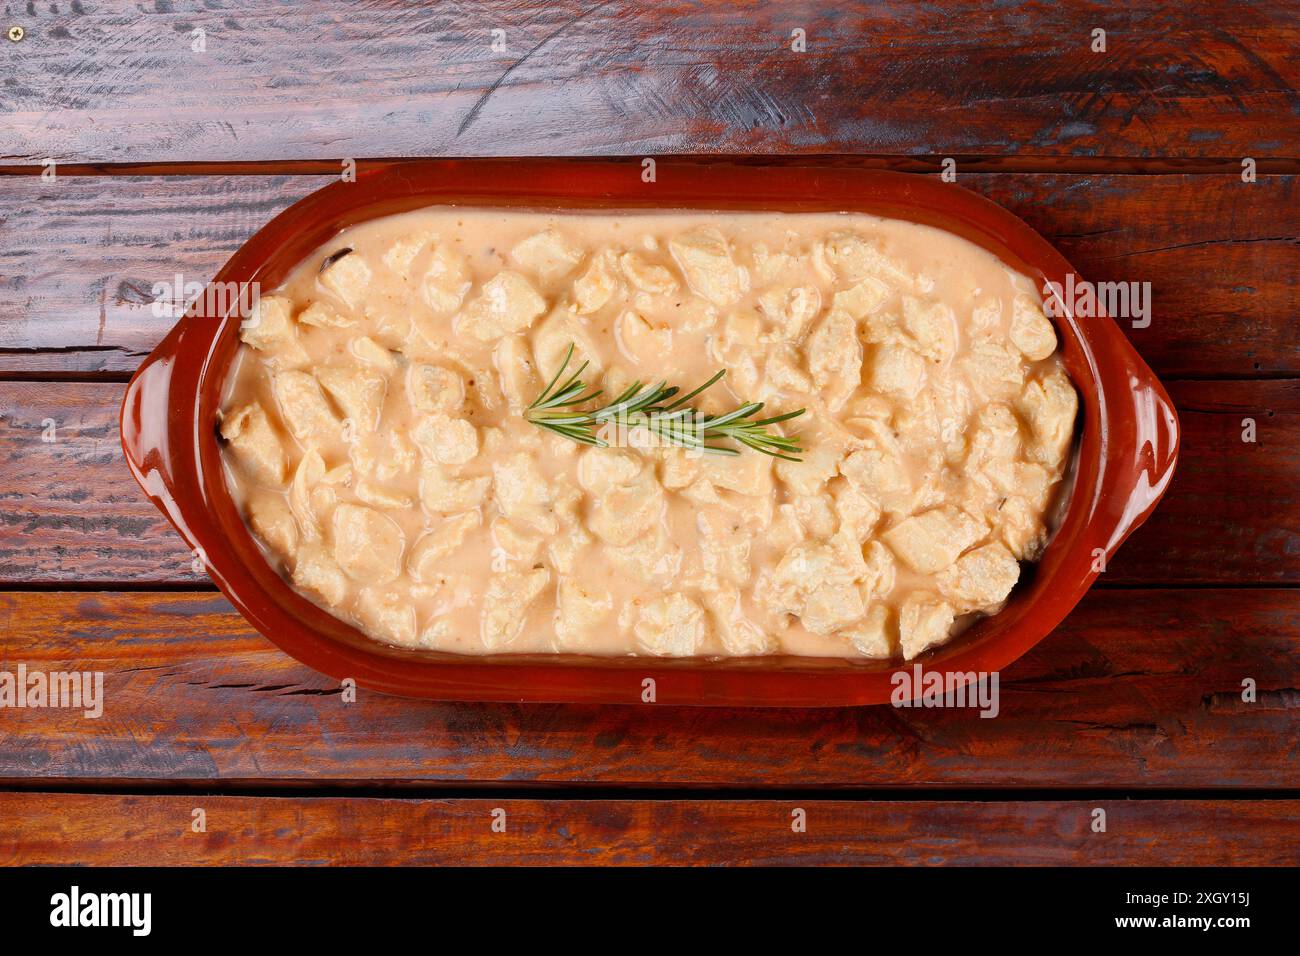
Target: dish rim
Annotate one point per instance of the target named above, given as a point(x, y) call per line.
point(1126, 437)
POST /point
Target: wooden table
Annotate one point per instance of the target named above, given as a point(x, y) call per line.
point(1130, 161)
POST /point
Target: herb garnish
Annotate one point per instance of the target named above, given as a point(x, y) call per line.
point(649, 407)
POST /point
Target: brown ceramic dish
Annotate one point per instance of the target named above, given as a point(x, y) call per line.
point(1127, 439)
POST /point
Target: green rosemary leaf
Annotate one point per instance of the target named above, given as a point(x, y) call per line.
point(547, 391)
point(687, 397)
point(647, 406)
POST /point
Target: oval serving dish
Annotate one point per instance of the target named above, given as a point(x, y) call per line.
point(1126, 437)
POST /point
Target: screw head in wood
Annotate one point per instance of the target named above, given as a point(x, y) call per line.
point(16, 33)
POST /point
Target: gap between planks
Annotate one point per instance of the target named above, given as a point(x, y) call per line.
point(598, 792)
point(928, 163)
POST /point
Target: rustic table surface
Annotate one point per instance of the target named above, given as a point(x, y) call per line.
point(177, 130)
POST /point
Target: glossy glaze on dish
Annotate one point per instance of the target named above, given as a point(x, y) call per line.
point(377, 443)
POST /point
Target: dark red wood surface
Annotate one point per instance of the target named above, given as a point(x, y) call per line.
point(1128, 161)
point(82, 828)
point(119, 83)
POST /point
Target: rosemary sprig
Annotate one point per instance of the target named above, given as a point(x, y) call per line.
point(652, 407)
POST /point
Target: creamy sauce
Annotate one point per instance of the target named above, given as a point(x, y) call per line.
point(376, 439)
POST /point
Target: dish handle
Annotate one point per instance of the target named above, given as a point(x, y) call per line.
point(153, 453)
point(1143, 451)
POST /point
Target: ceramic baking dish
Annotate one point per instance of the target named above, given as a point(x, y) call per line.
point(1126, 442)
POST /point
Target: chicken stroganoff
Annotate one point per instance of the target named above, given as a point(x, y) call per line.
point(385, 433)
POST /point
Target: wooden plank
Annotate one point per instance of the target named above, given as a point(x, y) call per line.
point(83, 255)
point(613, 76)
point(1232, 513)
point(70, 513)
point(1137, 689)
point(69, 509)
point(104, 830)
point(77, 293)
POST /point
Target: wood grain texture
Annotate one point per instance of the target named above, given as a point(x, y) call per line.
point(1137, 689)
point(63, 829)
point(70, 512)
point(104, 83)
point(79, 259)
point(1232, 513)
point(93, 524)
